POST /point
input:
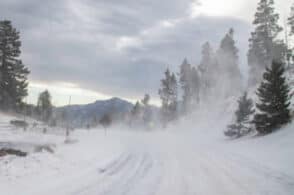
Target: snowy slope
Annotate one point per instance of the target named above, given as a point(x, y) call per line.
point(186, 159)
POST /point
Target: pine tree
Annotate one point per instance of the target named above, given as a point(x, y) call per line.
point(190, 84)
point(185, 79)
point(227, 57)
point(273, 106)
point(44, 106)
point(173, 107)
point(195, 87)
point(147, 112)
point(263, 45)
point(168, 94)
point(208, 69)
point(105, 121)
point(136, 111)
point(145, 100)
point(13, 73)
point(291, 20)
point(242, 123)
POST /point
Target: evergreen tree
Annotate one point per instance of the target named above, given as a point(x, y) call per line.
point(173, 94)
point(273, 106)
point(168, 94)
point(105, 121)
point(147, 112)
point(227, 57)
point(145, 100)
point(263, 45)
point(13, 73)
point(186, 84)
point(208, 69)
point(44, 106)
point(242, 121)
point(136, 114)
point(195, 87)
point(137, 110)
point(291, 20)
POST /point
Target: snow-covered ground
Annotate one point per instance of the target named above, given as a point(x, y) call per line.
point(177, 161)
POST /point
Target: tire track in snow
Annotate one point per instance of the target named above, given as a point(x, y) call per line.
point(116, 165)
point(123, 176)
point(104, 175)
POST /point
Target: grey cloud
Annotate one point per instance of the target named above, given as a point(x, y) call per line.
point(76, 42)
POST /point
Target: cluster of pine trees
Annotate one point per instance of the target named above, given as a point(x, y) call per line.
point(217, 74)
point(272, 107)
point(142, 113)
point(269, 59)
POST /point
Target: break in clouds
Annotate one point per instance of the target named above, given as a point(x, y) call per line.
point(120, 48)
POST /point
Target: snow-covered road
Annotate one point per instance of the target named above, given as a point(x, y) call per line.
point(154, 163)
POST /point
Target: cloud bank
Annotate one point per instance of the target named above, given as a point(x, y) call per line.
point(118, 48)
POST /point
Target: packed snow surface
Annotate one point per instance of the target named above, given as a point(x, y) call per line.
point(178, 161)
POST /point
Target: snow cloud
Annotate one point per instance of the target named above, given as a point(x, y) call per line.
point(113, 47)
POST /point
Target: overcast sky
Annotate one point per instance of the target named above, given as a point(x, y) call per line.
point(96, 49)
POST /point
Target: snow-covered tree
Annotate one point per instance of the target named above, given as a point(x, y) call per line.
point(185, 82)
point(44, 106)
point(291, 20)
point(195, 87)
point(290, 55)
point(13, 73)
point(147, 111)
point(189, 81)
point(263, 44)
point(136, 113)
point(242, 124)
point(169, 96)
point(145, 100)
point(274, 101)
point(105, 120)
point(227, 58)
point(207, 69)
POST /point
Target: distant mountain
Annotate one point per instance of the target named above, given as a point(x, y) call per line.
point(82, 115)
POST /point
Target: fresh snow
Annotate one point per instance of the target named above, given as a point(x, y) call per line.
point(176, 161)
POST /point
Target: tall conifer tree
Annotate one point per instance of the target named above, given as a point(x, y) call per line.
point(291, 20)
point(190, 84)
point(241, 126)
point(169, 97)
point(227, 56)
point(273, 105)
point(13, 73)
point(45, 106)
point(208, 69)
point(263, 44)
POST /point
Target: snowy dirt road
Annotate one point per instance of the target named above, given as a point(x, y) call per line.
point(150, 167)
point(157, 163)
